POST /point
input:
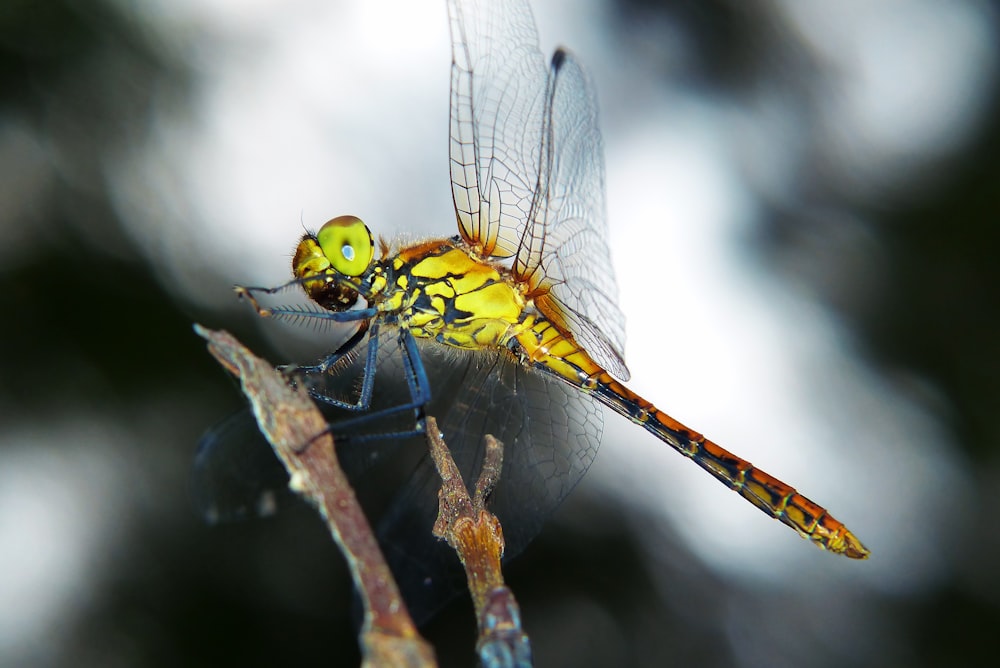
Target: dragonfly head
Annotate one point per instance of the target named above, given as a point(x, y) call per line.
point(330, 263)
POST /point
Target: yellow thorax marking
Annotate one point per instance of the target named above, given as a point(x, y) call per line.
point(467, 303)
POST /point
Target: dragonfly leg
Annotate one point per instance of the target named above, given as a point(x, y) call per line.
point(420, 394)
point(334, 316)
point(416, 377)
point(364, 400)
point(291, 312)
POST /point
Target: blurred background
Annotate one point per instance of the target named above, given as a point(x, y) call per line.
point(804, 204)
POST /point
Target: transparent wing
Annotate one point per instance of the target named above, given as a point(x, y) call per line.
point(497, 106)
point(527, 168)
point(550, 433)
point(236, 474)
point(565, 248)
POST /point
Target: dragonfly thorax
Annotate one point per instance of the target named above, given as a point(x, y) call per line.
point(438, 290)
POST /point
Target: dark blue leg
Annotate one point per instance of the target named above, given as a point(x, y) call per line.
point(368, 380)
point(295, 312)
point(306, 314)
point(420, 394)
point(413, 368)
point(416, 378)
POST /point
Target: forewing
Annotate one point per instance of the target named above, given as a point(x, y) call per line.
point(527, 169)
point(497, 105)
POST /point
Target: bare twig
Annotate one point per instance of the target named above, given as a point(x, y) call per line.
point(476, 535)
point(300, 437)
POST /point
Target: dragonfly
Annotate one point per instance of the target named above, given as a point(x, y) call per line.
point(512, 326)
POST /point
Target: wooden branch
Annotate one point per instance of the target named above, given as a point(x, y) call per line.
point(476, 535)
point(301, 438)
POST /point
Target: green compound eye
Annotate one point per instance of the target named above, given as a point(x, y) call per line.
point(348, 244)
